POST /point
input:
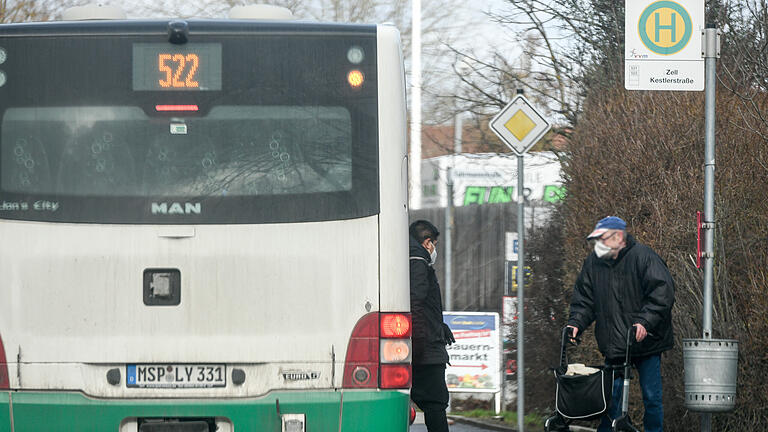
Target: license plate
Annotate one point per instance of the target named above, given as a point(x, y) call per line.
point(176, 376)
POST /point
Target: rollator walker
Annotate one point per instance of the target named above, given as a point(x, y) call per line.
point(589, 397)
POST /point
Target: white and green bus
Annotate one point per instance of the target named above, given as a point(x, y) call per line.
point(203, 227)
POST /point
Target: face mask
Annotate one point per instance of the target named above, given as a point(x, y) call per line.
point(433, 255)
point(601, 250)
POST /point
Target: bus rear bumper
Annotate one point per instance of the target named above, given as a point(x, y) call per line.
point(357, 410)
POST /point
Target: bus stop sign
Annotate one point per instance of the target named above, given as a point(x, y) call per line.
point(663, 49)
point(519, 125)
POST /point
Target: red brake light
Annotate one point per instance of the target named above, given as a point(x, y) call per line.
point(395, 376)
point(395, 325)
point(4, 382)
point(176, 107)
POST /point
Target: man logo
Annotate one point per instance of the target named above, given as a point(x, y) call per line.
point(665, 27)
point(175, 208)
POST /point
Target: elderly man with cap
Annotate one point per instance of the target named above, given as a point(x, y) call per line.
point(622, 284)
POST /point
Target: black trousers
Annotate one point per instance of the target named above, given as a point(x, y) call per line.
point(430, 394)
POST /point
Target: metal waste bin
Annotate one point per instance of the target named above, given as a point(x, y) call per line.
point(711, 366)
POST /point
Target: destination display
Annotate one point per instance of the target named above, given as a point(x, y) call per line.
point(166, 67)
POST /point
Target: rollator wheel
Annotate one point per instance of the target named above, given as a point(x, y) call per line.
point(623, 424)
point(555, 424)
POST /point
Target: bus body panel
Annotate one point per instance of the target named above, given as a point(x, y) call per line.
point(393, 178)
point(159, 27)
point(54, 412)
point(261, 378)
point(5, 412)
point(285, 295)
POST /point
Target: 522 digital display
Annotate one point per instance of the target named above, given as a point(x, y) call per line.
point(166, 67)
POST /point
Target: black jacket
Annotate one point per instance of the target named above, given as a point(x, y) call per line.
point(636, 287)
point(426, 309)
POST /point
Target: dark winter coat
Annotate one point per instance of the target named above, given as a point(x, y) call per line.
point(426, 309)
point(636, 287)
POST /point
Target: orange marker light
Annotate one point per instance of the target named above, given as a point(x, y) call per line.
point(355, 78)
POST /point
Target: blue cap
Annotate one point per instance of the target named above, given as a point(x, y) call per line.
point(607, 223)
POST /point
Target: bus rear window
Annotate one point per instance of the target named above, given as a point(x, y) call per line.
point(271, 132)
point(120, 152)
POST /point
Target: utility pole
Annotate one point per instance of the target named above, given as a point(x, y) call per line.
point(449, 212)
point(414, 171)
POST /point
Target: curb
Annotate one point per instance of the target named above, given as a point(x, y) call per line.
point(488, 424)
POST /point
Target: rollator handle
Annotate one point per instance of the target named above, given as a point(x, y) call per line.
point(572, 340)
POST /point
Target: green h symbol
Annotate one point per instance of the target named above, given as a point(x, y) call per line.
point(670, 27)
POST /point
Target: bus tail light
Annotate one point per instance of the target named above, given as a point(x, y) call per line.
point(4, 380)
point(379, 352)
point(395, 350)
point(395, 325)
point(362, 363)
point(395, 376)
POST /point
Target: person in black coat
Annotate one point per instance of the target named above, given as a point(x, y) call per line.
point(622, 284)
point(430, 334)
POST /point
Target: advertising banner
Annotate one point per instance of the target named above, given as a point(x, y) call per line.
point(480, 179)
point(475, 357)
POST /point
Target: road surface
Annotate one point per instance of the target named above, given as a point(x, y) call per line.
point(418, 426)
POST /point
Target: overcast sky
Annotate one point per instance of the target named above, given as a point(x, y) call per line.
point(472, 30)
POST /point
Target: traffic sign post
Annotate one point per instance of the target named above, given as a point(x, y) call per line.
point(711, 52)
point(663, 49)
point(668, 48)
point(519, 125)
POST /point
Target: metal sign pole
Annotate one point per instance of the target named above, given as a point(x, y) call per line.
point(520, 296)
point(449, 238)
point(449, 213)
point(520, 126)
point(711, 52)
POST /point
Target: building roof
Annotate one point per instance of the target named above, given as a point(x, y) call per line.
point(437, 140)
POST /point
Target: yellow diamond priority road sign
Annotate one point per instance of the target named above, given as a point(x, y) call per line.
point(519, 125)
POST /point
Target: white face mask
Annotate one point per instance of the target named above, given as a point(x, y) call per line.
point(433, 255)
point(601, 250)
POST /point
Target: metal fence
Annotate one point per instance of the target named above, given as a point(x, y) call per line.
point(478, 251)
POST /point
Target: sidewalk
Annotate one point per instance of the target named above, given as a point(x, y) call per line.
point(498, 426)
point(490, 424)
